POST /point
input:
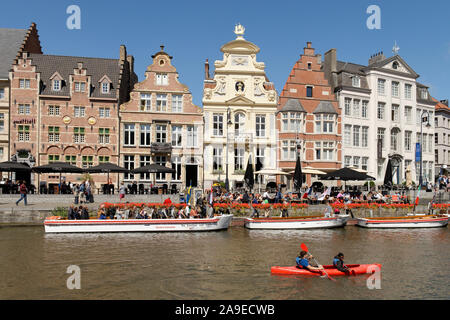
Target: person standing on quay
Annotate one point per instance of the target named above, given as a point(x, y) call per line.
point(23, 193)
point(121, 192)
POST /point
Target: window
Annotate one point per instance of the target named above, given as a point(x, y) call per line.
point(325, 150)
point(324, 123)
point(79, 135)
point(79, 112)
point(53, 158)
point(407, 164)
point(146, 102)
point(161, 102)
point(408, 135)
point(380, 111)
point(356, 135)
point(105, 87)
point(239, 159)
point(161, 133)
point(2, 93)
point(260, 125)
point(347, 109)
point(380, 136)
point(395, 89)
point(87, 161)
point(103, 159)
point(356, 162)
point(318, 123)
point(364, 109)
point(217, 159)
point(430, 143)
point(289, 150)
point(381, 86)
point(347, 161)
point(24, 83)
point(259, 159)
point(103, 135)
point(71, 160)
point(408, 91)
point(53, 111)
point(161, 160)
point(395, 112)
point(365, 164)
point(365, 137)
point(418, 116)
point(128, 162)
point(176, 165)
point(394, 139)
point(2, 122)
point(356, 108)
point(347, 135)
point(408, 114)
point(129, 134)
point(24, 109)
point(145, 132)
point(309, 65)
point(24, 133)
point(176, 136)
point(104, 112)
point(56, 85)
point(80, 86)
point(192, 136)
point(291, 122)
point(217, 124)
point(309, 91)
point(424, 94)
point(162, 79)
point(239, 124)
point(145, 161)
point(436, 138)
point(53, 134)
point(356, 81)
point(177, 103)
point(380, 165)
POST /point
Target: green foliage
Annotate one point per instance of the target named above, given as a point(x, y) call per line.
point(60, 212)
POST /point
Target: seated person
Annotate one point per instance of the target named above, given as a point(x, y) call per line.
point(338, 263)
point(303, 262)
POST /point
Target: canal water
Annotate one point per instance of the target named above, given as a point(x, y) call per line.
point(233, 264)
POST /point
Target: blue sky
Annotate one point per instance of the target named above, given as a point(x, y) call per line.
point(195, 30)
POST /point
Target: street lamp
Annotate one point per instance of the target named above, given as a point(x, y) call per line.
point(427, 119)
point(229, 122)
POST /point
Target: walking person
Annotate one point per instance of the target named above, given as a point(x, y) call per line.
point(23, 193)
point(122, 191)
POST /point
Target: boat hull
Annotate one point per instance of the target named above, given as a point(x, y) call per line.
point(295, 223)
point(406, 222)
point(148, 225)
point(331, 270)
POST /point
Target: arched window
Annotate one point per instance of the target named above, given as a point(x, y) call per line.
point(239, 124)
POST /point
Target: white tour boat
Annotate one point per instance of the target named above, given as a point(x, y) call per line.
point(416, 221)
point(311, 222)
point(54, 225)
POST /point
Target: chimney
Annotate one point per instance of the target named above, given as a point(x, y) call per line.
point(207, 70)
point(376, 58)
point(330, 67)
point(308, 44)
point(123, 53)
point(130, 60)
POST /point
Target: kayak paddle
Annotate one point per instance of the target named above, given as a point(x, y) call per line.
point(305, 248)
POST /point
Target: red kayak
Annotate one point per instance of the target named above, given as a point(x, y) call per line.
point(331, 270)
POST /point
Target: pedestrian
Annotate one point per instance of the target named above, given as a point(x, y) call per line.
point(122, 191)
point(23, 193)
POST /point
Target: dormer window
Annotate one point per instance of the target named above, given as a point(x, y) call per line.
point(56, 85)
point(424, 94)
point(395, 65)
point(356, 81)
point(80, 86)
point(105, 87)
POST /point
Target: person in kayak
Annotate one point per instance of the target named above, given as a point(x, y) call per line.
point(338, 263)
point(303, 262)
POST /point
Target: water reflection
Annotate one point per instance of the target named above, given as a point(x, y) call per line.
point(233, 264)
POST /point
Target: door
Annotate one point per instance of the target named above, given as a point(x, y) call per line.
point(191, 175)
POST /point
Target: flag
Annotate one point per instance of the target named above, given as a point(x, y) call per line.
point(307, 193)
point(326, 193)
point(211, 197)
point(418, 196)
point(249, 176)
point(189, 195)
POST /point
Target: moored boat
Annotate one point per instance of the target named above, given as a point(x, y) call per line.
point(416, 221)
point(54, 225)
point(331, 270)
point(309, 222)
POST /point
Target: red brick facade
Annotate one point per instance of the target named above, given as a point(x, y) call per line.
point(310, 94)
